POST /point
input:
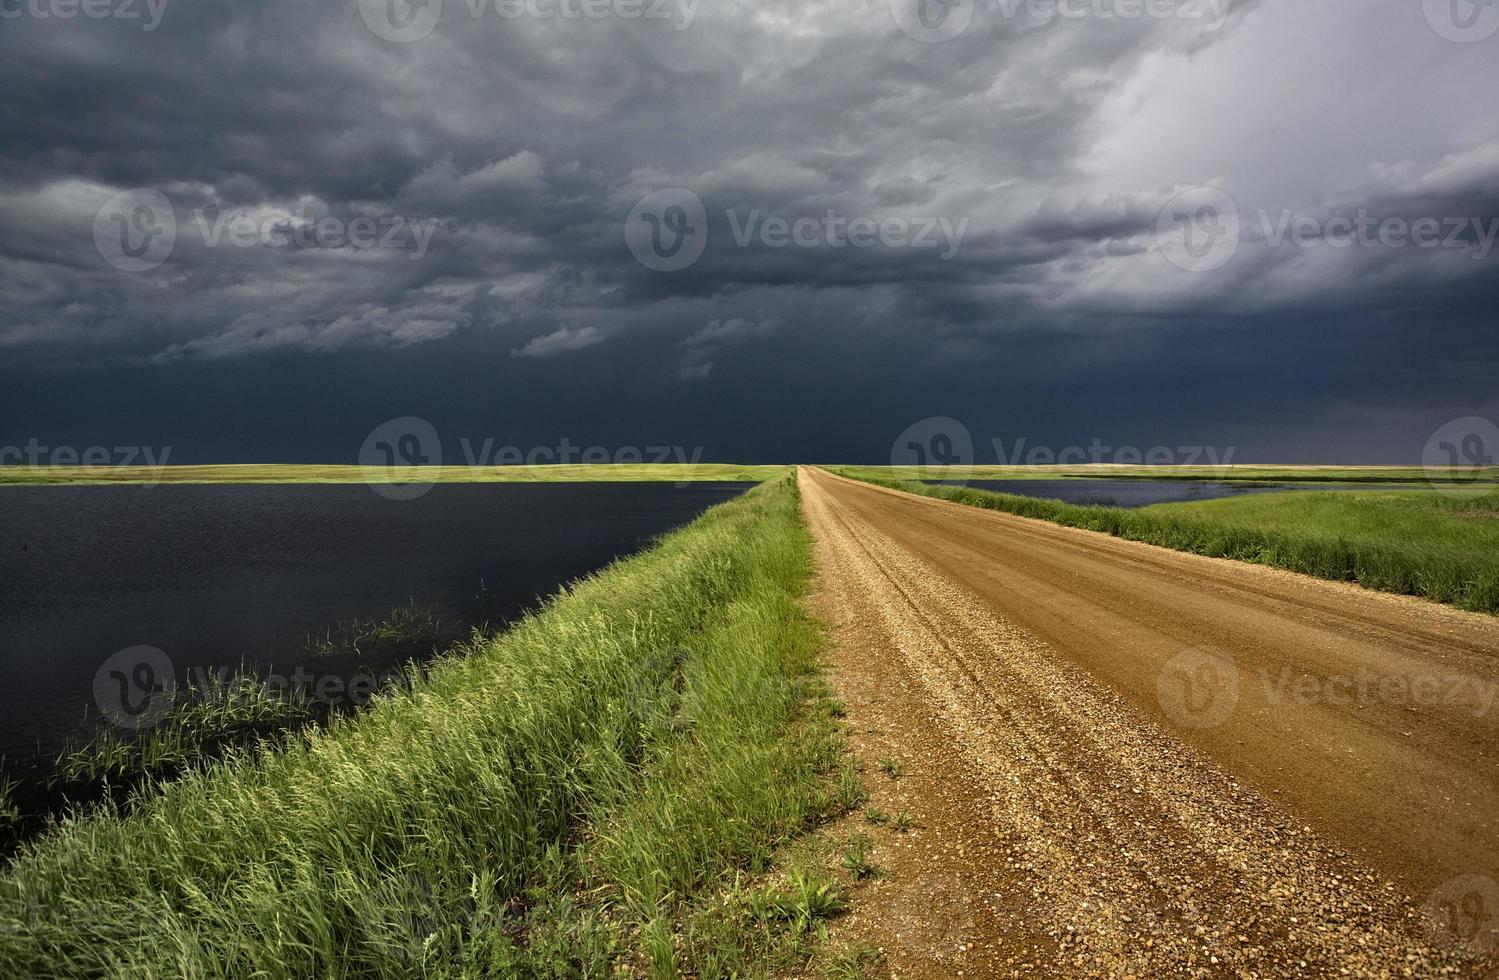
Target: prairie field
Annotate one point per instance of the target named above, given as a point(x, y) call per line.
point(1423, 542)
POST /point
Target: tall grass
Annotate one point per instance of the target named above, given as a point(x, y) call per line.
point(548, 805)
point(1421, 543)
point(10, 815)
point(216, 713)
point(203, 722)
point(407, 628)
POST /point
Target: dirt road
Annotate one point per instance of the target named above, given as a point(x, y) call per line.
point(1126, 760)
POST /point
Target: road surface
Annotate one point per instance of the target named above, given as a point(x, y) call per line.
point(1129, 760)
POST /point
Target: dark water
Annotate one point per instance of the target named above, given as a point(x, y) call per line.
point(1139, 493)
point(219, 576)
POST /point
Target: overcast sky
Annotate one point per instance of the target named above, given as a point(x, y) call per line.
point(772, 229)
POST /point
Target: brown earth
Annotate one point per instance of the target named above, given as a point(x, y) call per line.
point(1124, 760)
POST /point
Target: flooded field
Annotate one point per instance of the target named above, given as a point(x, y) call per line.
point(219, 576)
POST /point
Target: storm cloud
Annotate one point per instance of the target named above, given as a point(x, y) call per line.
point(773, 229)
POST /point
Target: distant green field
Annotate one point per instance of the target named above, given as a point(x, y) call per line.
point(1259, 473)
point(347, 473)
point(1417, 542)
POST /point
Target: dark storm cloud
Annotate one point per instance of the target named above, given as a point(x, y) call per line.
point(924, 214)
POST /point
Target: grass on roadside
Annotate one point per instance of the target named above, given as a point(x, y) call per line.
point(1256, 473)
point(1417, 542)
point(585, 794)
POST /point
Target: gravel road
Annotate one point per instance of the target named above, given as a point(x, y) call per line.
point(1129, 761)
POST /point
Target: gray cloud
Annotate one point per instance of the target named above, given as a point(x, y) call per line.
point(521, 145)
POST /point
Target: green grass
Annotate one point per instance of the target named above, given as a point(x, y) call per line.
point(203, 722)
point(856, 858)
point(1247, 472)
point(1414, 542)
point(578, 796)
point(9, 814)
point(407, 628)
point(300, 473)
point(854, 963)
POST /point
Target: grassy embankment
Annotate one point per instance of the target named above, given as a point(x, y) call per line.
point(1246, 472)
point(299, 473)
point(588, 791)
point(1415, 542)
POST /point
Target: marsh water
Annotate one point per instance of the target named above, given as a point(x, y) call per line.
point(1140, 493)
point(216, 577)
